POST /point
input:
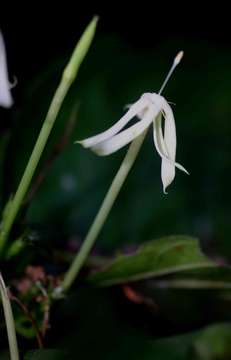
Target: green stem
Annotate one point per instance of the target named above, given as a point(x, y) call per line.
point(13, 346)
point(68, 77)
point(33, 162)
point(103, 212)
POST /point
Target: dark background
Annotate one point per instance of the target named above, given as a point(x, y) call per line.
point(37, 32)
point(132, 51)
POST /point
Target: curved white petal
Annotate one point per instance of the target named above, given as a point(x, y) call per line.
point(118, 141)
point(5, 94)
point(134, 109)
point(167, 169)
point(169, 131)
point(160, 145)
point(168, 157)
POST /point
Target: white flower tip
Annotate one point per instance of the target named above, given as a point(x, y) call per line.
point(96, 149)
point(167, 180)
point(80, 142)
point(164, 191)
point(184, 170)
point(178, 57)
point(5, 95)
point(127, 106)
point(83, 143)
point(6, 101)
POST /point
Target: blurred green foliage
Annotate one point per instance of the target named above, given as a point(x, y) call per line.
point(159, 257)
point(209, 344)
point(103, 322)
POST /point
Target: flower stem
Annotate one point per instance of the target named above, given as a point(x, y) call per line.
point(109, 199)
point(67, 79)
point(13, 346)
point(103, 212)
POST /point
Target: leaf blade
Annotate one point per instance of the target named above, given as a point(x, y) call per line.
point(160, 257)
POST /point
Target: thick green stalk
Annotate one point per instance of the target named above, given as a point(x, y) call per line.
point(68, 77)
point(9, 319)
point(103, 212)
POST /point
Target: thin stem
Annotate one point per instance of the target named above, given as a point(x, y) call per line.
point(176, 61)
point(68, 77)
point(13, 346)
point(103, 211)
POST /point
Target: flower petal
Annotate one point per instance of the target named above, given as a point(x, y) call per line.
point(167, 169)
point(5, 94)
point(134, 109)
point(118, 141)
point(168, 163)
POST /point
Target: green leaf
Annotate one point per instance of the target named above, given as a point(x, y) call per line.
point(214, 342)
point(48, 354)
point(217, 278)
point(210, 343)
point(163, 256)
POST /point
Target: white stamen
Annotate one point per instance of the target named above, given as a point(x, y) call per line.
point(174, 65)
point(178, 57)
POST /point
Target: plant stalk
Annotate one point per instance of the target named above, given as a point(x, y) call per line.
point(103, 212)
point(69, 75)
point(9, 319)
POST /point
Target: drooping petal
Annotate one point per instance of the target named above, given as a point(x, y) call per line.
point(118, 141)
point(168, 163)
point(160, 145)
point(119, 125)
point(5, 94)
point(167, 169)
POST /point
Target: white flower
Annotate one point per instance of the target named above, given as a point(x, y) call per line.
point(5, 86)
point(149, 109)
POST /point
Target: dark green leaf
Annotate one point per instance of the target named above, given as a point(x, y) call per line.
point(163, 256)
point(213, 343)
point(206, 278)
point(210, 343)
